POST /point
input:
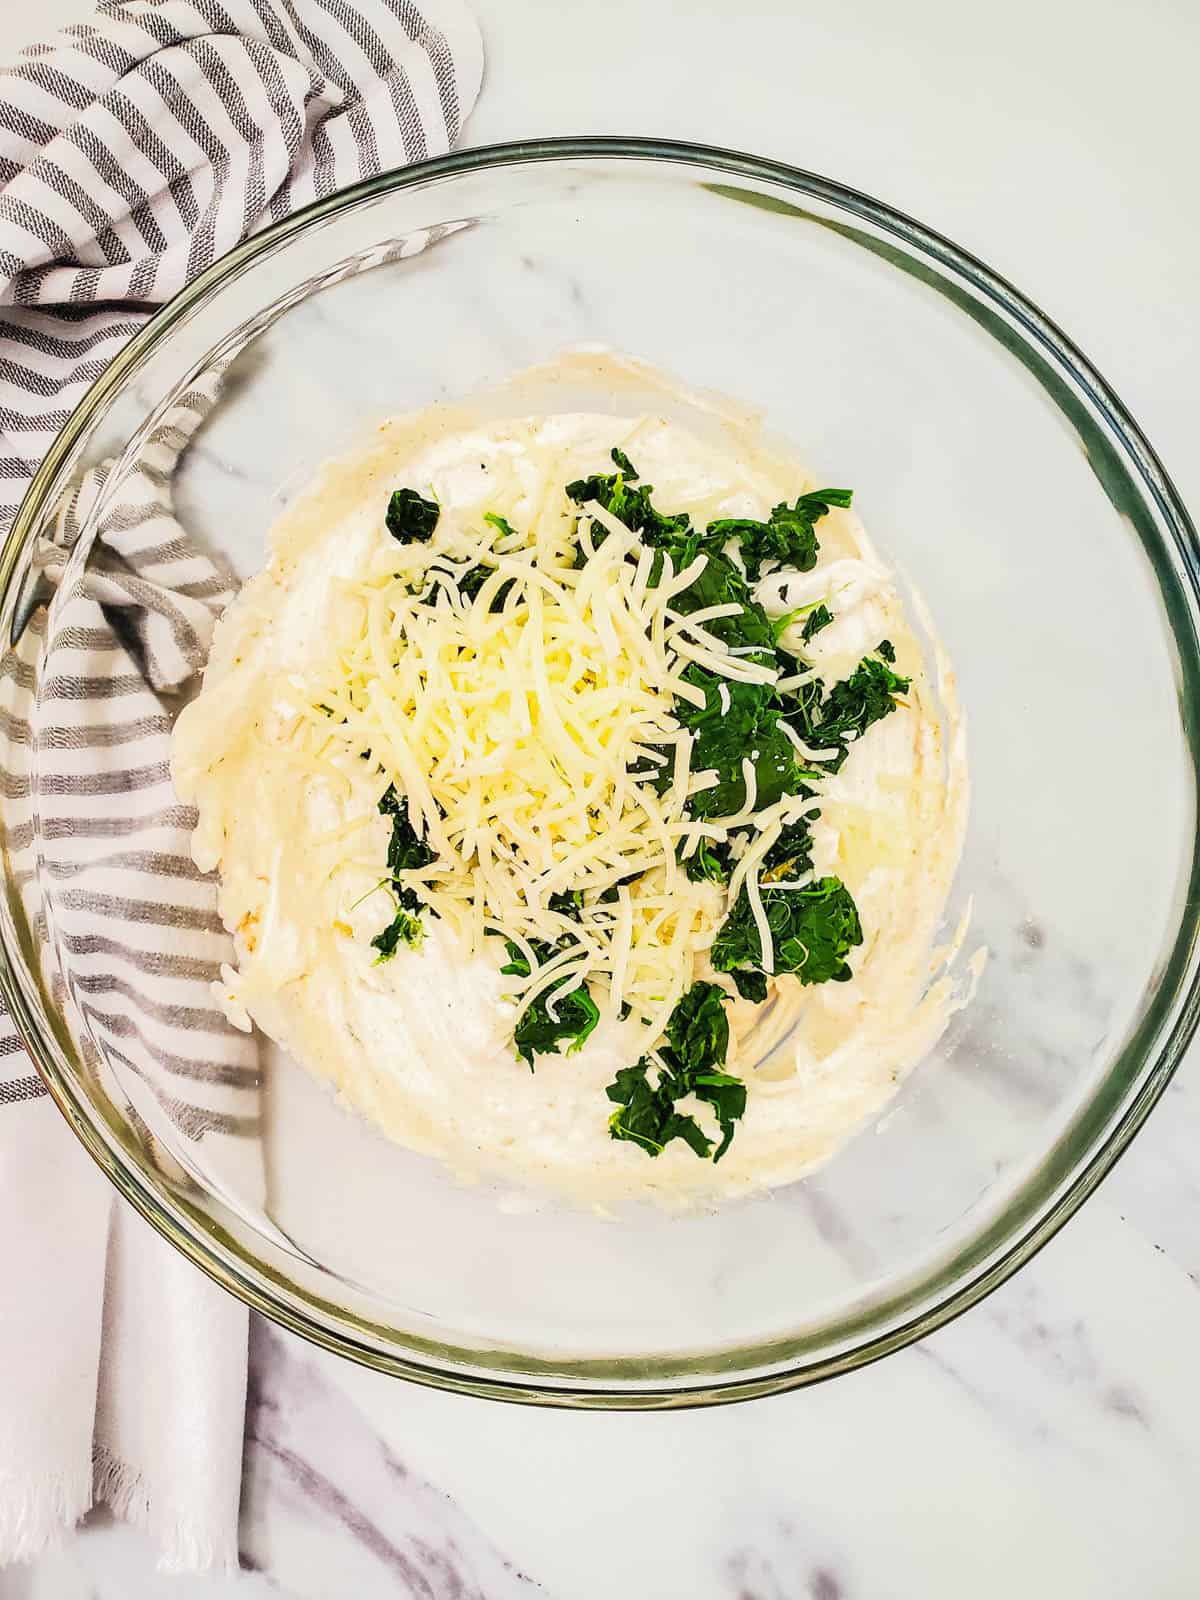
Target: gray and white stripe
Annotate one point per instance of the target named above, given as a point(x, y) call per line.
point(142, 145)
point(133, 152)
point(98, 841)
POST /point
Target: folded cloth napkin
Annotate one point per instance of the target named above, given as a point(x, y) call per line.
point(134, 150)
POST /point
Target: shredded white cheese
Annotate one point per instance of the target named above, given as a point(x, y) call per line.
point(528, 741)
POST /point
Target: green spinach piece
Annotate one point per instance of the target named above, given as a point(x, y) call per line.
point(710, 862)
point(787, 539)
point(830, 724)
point(501, 524)
point(615, 492)
point(788, 857)
point(791, 854)
point(647, 1116)
point(750, 985)
point(690, 1061)
point(569, 902)
point(405, 850)
point(812, 931)
point(738, 721)
point(410, 517)
point(473, 580)
point(538, 1032)
point(404, 928)
point(721, 584)
point(820, 617)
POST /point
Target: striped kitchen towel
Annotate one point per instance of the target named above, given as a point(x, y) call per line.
point(134, 150)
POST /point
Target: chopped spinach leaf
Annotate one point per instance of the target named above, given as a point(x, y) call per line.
point(405, 850)
point(567, 901)
point(404, 928)
point(647, 1116)
point(709, 862)
point(749, 984)
point(698, 1029)
point(631, 506)
point(410, 517)
point(788, 538)
point(781, 624)
point(539, 1032)
point(888, 651)
point(721, 584)
point(473, 580)
point(791, 854)
point(469, 581)
point(690, 1061)
point(830, 723)
point(517, 965)
point(501, 524)
point(812, 931)
point(738, 721)
point(817, 619)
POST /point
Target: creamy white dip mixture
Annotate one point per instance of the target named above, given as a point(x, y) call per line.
point(422, 1043)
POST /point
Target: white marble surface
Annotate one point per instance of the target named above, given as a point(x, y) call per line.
point(1048, 1443)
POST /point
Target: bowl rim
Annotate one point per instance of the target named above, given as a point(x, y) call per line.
point(1151, 1054)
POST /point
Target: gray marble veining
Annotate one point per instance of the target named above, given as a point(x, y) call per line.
point(313, 1461)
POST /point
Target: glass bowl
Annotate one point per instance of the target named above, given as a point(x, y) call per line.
point(1008, 485)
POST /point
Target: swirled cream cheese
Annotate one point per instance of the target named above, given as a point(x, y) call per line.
point(422, 1043)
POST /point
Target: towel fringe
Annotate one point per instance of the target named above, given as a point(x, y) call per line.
point(35, 1514)
point(183, 1548)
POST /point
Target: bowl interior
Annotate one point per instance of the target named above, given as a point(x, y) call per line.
point(1008, 497)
